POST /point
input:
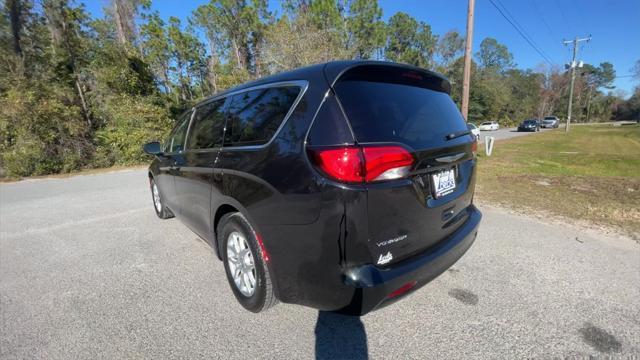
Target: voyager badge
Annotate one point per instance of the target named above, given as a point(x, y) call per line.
point(391, 241)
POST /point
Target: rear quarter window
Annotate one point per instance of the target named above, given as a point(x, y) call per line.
point(207, 127)
point(175, 141)
point(329, 127)
point(389, 112)
point(254, 116)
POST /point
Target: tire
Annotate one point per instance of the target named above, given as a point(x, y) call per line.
point(158, 204)
point(239, 242)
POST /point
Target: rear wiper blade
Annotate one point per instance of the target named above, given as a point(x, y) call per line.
point(457, 135)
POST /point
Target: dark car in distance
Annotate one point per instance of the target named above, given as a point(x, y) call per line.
point(341, 186)
point(529, 125)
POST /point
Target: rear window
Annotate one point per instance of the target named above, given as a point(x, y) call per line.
point(389, 112)
point(256, 115)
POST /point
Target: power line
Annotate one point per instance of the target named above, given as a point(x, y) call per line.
point(578, 6)
point(521, 33)
point(544, 21)
point(566, 22)
point(521, 27)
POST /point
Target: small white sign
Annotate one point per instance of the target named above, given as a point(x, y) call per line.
point(488, 145)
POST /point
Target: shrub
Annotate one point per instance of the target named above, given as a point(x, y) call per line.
point(42, 132)
point(129, 123)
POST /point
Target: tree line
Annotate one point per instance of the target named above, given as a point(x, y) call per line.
point(78, 91)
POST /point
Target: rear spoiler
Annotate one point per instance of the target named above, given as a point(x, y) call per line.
point(388, 72)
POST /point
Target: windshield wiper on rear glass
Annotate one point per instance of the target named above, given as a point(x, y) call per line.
point(457, 135)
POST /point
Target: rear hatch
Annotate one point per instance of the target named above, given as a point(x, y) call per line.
point(392, 105)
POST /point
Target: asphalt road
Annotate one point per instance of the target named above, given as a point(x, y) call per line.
point(88, 271)
point(506, 133)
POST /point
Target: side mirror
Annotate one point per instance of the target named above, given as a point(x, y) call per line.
point(152, 148)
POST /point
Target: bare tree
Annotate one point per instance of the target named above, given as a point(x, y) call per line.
point(124, 13)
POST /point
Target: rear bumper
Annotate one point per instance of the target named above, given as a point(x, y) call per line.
point(373, 284)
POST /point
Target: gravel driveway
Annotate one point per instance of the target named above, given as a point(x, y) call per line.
point(88, 271)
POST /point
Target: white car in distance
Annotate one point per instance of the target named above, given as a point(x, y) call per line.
point(474, 130)
point(489, 126)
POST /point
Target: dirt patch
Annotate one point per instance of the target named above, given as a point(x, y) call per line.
point(603, 202)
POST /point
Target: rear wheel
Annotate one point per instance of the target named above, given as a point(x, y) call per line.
point(244, 263)
point(158, 205)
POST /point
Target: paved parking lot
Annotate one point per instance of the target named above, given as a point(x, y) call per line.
point(88, 271)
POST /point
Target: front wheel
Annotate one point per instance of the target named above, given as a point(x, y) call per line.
point(245, 264)
point(158, 204)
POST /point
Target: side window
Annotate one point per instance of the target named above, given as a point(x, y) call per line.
point(175, 143)
point(254, 116)
point(207, 127)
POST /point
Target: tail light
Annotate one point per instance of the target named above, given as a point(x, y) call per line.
point(357, 164)
point(386, 163)
point(343, 164)
point(474, 147)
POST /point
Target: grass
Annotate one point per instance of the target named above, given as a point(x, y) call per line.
point(590, 174)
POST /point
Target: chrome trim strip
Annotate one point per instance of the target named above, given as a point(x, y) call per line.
point(450, 158)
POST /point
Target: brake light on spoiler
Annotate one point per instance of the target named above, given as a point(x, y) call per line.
point(363, 164)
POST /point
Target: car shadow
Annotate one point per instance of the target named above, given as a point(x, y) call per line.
point(340, 337)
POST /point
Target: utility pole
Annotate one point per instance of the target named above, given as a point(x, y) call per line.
point(573, 74)
point(466, 75)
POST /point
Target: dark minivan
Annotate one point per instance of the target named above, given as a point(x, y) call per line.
point(341, 186)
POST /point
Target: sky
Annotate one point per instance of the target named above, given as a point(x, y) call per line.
point(614, 26)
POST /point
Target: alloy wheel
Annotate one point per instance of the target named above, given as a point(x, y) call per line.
point(156, 198)
point(241, 263)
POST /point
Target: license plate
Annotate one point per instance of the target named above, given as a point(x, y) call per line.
point(443, 182)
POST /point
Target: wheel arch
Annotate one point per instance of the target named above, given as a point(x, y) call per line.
point(230, 205)
point(222, 210)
